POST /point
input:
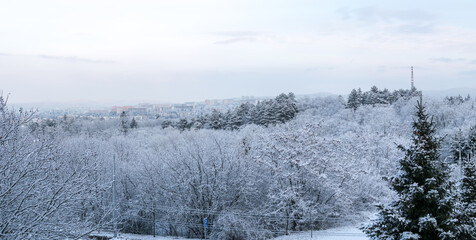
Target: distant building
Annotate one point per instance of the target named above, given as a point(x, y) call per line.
point(158, 108)
point(148, 106)
point(99, 112)
point(137, 111)
point(183, 108)
point(210, 102)
point(119, 110)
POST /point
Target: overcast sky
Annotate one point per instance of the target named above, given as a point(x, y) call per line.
point(177, 50)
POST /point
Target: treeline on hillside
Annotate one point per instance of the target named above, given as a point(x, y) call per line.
point(323, 168)
point(452, 100)
point(375, 96)
point(463, 145)
point(269, 112)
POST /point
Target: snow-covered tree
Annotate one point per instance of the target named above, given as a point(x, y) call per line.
point(465, 211)
point(133, 123)
point(123, 123)
point(472, 142)
point(459, 147)
point(353, 101)
point(181, 124)
point(166, 124)
point(424, 206)
point(44, 182)
point(216, 120)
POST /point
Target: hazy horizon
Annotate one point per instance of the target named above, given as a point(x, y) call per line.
point(181, 51)
point(97, 104)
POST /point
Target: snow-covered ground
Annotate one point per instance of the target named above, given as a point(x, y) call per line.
point(148, 237)
point(127, 236)
point(350, 233)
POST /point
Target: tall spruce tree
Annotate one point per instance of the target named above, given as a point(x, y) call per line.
point(459, 147)
point(353, 101)
point(472, 142)
point(424, 206)
point(466, 206)
point(133, 123)
point(124, 119)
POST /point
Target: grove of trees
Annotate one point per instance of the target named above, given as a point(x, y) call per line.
point(265, 113)
point(321, 166)
point(375, 96)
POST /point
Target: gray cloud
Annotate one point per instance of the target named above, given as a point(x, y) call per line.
point(314, 69)
point(70, 59)
point(448, 60)
point(381, 69)
point(373, 14)
point(236, 33)
point(467, 73)
point(238, 36)
point(410, 28)
point(73, 59)
point(235, 40)
point(403, 21)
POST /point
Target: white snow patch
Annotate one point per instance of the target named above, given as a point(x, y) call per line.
point(149, 237)
point(351, 233)
point(127, 236)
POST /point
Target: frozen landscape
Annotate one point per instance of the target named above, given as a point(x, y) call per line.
point(237, 120)
point(257, 171)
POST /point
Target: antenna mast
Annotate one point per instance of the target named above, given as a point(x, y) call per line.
point(413, 83)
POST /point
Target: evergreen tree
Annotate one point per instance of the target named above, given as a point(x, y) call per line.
point(237, 116)
point(472, 142)
point(281, 98)
point(206, 121)
point(259, 114)
point(166, 124)
point(466, 208)
point(269, 115)
point(372, 96)
point(133, 123)
point(281, 108)
point(467, 98)
point(424, 206)
point(386, 97)
point(228, 120)
point(275, 113)
point(254, 115)
point(123, 122)
point(216, 120)
point(360, 96)
point(459, 147)
point(469, 182)
point(292, 106)
point(353, 100)
point(197, 125)
point(191, 123)
point(200, 123)
point(182, 124)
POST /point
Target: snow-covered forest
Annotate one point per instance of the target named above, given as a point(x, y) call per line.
point(325, 165)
